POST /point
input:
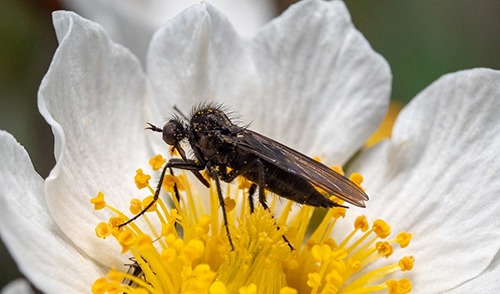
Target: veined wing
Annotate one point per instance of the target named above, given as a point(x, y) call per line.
point(297, 163)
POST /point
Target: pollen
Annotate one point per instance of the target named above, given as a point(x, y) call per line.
point(361, 223)
point(103, 230)
point(406, 263)
point(141, 179)
point(381, 228)
point(403, 239)
point(157, 162)
point(98, 201)
point(288, 290)
point(135, 206)
point(183, 247)
point(356, 178)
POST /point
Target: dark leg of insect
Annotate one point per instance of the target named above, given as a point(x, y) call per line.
point(176, 190)
point(262, 196)
point(134, 270)
point(178, 197)
point(251, 191)
point(172, 163)
point(215, 176)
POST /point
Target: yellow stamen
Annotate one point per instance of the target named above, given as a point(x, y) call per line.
point(403, 239)
point(406, 263)
point(141, 179)
point(135, 206)
point(157, 162)
point(356, 179)
point(98, 201)
point(103, 230)
point(288, 290)
point(191, 254)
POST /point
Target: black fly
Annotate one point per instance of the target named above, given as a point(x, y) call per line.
point(227, 151)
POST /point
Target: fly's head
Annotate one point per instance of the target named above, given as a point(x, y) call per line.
point(173, 132)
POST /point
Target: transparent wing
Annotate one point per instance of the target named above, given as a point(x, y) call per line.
point(297, 163)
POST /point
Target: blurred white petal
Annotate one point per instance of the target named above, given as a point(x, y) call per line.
point(133, 22)
point(19, 286)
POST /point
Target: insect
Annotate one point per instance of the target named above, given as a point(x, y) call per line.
point(134, 270)
point(226, 151)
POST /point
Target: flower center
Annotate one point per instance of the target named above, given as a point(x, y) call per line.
point(186, 249)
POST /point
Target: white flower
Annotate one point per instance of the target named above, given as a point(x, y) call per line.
point(309, 80)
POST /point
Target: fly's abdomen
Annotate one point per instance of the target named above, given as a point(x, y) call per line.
point(290, 186)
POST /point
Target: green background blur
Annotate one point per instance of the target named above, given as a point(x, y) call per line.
point(421, 40)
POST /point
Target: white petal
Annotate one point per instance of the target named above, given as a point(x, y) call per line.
point(93, 98)
point(19, 286)
point(42, 252)
point(132, 22)
point(438, 179)
point(199, 57)
point(487, 282)
point(325, 88)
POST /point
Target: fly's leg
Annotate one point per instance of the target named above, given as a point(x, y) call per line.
point(229, 177)
point(213, 173)
point(190, 165)
point(176, 190)
point(261, 183)
point(251, 191)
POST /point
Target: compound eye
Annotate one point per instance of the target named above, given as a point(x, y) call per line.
point(172, 132)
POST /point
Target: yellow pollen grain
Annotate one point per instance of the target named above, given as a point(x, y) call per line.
point(406, 263)
point(384, 248)
point(243, 183)
point(168, 183)
point(141, 179)
point(230, 204)
point(404, 286)
point(354, 265)
point(321, 252)
point(146, 201)
point(250, 289)
point(135, 206)
point(381, 228)
point(403, 239)
point(168, 254)
point(361, 223)
point(313, 280)
point(217, 287)
point(194, 249)
point(356, 178)
point(288, 290)
point(98, 201)
point(126, 239)
point(103, 230)
point(290, 264)
point(144, 242)
point(334, 278)
point(157, 162)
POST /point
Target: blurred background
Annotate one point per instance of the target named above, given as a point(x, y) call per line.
point(421, 40)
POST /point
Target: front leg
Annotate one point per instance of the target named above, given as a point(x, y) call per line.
point(190, 165)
